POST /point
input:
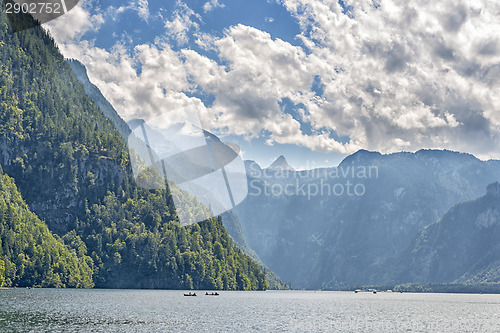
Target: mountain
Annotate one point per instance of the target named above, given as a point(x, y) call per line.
point(462, 247)
point(30, 255)
point(337, 227)
point(97, 97)
point(233, 226)
point(230, 221)
point(281, 164)
point(72, 168)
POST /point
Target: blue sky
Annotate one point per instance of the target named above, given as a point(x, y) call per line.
point(264, 15)
point(314, 80)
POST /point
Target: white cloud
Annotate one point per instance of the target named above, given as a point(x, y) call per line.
point(211, 5)
point(143, 9)
point(139, 6)
point(73, 25)
point(184, 20)
point(260, 73)
point(157, 88)
point(407, 72)
point(398, 76)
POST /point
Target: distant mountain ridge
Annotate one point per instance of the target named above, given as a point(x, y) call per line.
point(462, 247)
point(333, 241)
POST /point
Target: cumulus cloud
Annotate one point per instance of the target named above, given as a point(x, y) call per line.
point(260, 73)
point(406, 74)
point(211, 5)
point(158, 88)
point(73, 25)
point(184, 20)
point(393, 75)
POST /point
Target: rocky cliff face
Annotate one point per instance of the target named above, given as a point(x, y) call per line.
point(461, 247)
point(58, 180)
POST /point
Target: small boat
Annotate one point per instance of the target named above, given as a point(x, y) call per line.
point(190, 294)
point(212, 294)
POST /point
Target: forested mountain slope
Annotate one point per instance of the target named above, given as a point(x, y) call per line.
point(30, 254)
point(72, 167)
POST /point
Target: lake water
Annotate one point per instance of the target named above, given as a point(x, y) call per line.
point(65, 310)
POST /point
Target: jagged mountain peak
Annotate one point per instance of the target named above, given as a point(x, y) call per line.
point(281, 164)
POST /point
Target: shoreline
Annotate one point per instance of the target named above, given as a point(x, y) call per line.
point(362, 291)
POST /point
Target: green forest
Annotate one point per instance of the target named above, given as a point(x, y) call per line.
point(31, 254)
point(76, 217)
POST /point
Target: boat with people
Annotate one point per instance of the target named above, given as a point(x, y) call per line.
point(190, 294)
point(212, 294)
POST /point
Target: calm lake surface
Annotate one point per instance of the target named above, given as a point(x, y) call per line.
point(64, 310)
